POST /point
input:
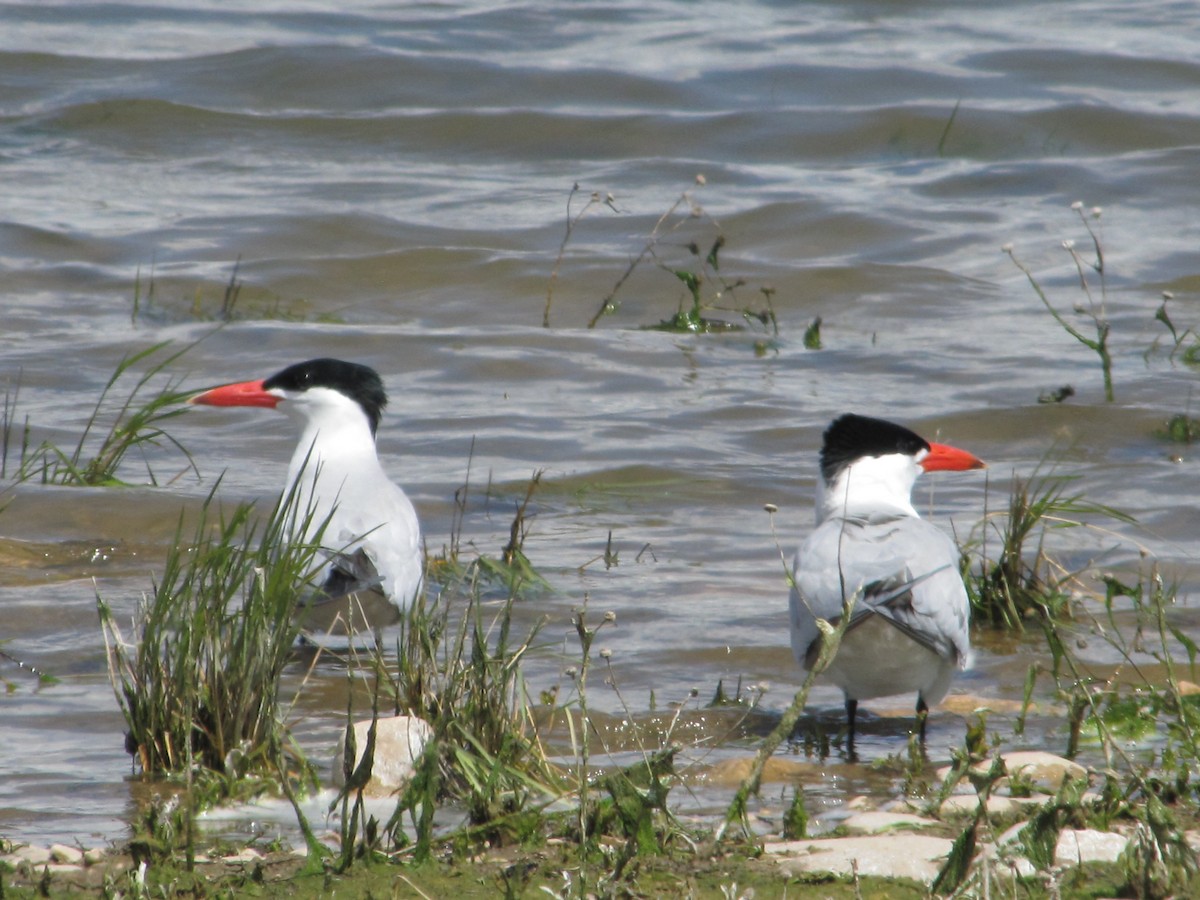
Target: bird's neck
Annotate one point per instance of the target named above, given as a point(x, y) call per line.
point(869, 487)
point(335, 438)
point(335, 454)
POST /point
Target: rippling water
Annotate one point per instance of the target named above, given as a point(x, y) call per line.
point(394, 180)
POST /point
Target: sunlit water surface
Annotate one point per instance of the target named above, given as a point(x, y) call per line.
point(392, 183)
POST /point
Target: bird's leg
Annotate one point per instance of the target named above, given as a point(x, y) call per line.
point(922, 717)
point(851, 712)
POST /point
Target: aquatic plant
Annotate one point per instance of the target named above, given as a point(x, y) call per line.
point(198, 681)
point(1150, 788)
point(594, 200)
point(1019, 579)
point(462, 675)
point(137, 423)
point(42, 677)
point(232, 301)
point(705, 288)
point(512, 569)
point(1095, 311)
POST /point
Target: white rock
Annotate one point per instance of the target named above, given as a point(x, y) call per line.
point(67, 855)
point(1045, 770)
point(1087, 845)
point(1005, 857)
point(874, 822)
point(1075, 846)
point(967, 804)
point(399, 741)
point(245, 855)
point(35, 856)
point(915, 856)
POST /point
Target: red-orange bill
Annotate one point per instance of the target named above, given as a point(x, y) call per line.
point(944, 458)
point(244, 393)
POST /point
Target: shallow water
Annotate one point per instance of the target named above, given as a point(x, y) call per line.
point(394, 179)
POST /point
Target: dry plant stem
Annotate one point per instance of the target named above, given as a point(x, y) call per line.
point(771, 509)
point(232, 290)
point(24, 666)
point(562, 248)
point(1099, 345)
point(831, 639)
point(586, 637)
point(647, 250)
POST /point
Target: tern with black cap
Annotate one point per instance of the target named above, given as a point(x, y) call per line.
point(908, 628)
point(371, 532)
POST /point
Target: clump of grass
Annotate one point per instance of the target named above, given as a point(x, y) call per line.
point(965, 764)
point(812, 335)
point(1095, 309)
point(199, 681)
point(459, 669)
point(1180, 429)
point(511, 569)
point(1022, 579)
point(1151, 786)
point(457, 666)
point(1143, 721)
point(138, 422)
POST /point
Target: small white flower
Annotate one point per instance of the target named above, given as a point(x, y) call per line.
point(1068, 244)
point(1078, 204)
point(700, 179)
point(771, 508)
point(1097, 212)
point(1006, 248)
point(610, 616)
point(605, 653)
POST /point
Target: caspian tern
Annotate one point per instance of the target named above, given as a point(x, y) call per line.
point(371, 529)
point(908, 626)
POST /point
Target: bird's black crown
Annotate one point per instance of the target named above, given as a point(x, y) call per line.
point(852, 437)
point(360, 383)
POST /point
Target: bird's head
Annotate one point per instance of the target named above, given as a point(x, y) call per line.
point(312, 390)
point(867, 461)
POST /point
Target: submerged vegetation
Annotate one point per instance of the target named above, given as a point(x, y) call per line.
point(686, 243)
point(230, 302)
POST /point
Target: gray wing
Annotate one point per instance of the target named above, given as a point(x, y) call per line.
point(351, 593)
point(907, 571)
point(350, 572)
